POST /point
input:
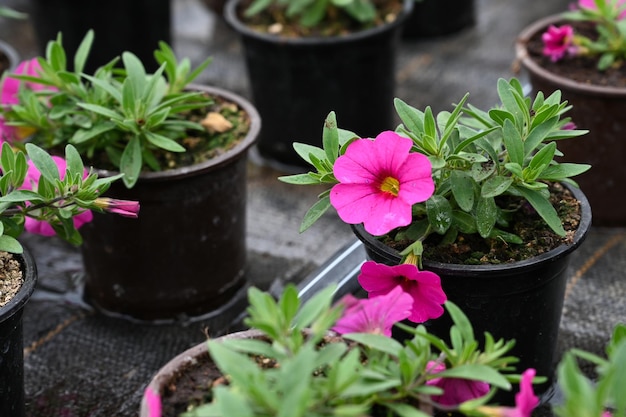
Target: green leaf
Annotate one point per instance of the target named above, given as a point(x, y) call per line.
point(541, 160)
point(82, 53)
point(74, 163)
point(464, 222)
point(463, 189)
point(305, 151)
point(405, 410)
point(544, 209)
point(439, 213)
point(330, 137)
point(412, 118)
point(43, 161)
point(486, 215)
point(315, 212)
point(102, 111)
point(10, 244)
point(315, 306)
point(300, 179)
point(82, 135)
point(562, 171)
point(130, 162)
point(495, 186)
point(376, 341)
point(164, 142)
point(513, 143)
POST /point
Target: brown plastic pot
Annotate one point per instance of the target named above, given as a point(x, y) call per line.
point(520, 300)
point(12, 342)
point(598, 109)
point(186, 253)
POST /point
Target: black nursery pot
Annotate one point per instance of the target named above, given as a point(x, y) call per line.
point(295, 83)
point(12, 342)
point(119, 25)
point(521, 300)
point(185, 254)
point(432, 18)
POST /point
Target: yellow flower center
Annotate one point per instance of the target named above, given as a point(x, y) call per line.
point(390, 185)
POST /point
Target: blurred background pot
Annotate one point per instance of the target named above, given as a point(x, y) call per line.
point(599, 109)
point(185, 255)
point(12, 342)
point(8, 57)
point(431, 18)
point(296, 82)
point(119, 25)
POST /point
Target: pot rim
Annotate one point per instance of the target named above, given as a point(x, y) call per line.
point(213, 163)
point(183, 360)
point(522, 56)
point(16, 304)
point(11, 54)
point(550, 256)
point(235, 23)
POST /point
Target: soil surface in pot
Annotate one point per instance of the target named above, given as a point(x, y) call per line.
point(225, 125)
point(11, 279)
point(538, 238)
point(191, 386)
point(581, 69)
point(336, 22)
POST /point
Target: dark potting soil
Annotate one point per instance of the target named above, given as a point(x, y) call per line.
point(581, 69)
point(336, 22)
point(192, 385)
point(538, 238)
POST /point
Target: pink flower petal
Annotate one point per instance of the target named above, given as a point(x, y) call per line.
point(423, 286)
point(153, 401)
point(379, 181)
point(375, 315)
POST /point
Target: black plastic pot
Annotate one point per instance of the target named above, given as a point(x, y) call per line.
point(431, 18)
point(186, 253)
point(119, 25)
point(599, 109)
point(521, 300)
point(12, 343)
point(296, 82)
point(9, 57)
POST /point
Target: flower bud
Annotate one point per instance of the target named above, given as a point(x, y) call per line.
point(124, 208)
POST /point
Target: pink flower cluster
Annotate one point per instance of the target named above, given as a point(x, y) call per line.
point(9, 90)
point(379, 181)
point(560, 41)
point(9, 95)
point(31, 182)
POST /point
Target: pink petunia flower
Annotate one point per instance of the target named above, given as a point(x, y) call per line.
point(31, 182)
point(375, 315)
point(153, 401)
point(125, 208)
point(591, 5)
point(525, 400)
point(558, 41)
point(423, 286)
point(9, 94)
point(455, 390)
point(379, 181)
